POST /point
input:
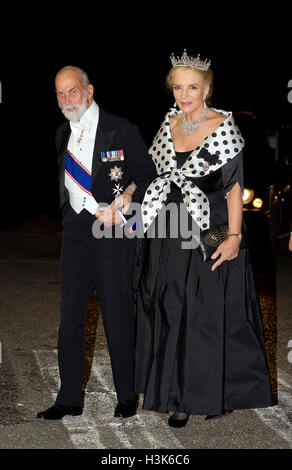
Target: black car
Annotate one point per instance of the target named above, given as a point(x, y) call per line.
point(267, 180)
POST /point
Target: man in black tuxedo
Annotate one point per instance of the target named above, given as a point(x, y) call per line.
point(101, 156)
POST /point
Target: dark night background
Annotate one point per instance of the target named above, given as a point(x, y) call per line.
point(252, 68)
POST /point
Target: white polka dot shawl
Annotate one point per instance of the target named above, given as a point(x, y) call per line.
point(217, 149)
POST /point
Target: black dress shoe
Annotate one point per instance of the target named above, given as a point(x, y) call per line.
point(226, 413)
point(178, 422)
point(126, 409)
point(59, 411)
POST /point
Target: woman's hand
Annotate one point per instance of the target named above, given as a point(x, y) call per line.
point(123, 201)
point(228, 250)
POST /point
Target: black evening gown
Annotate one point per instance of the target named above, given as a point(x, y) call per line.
point(200, 341)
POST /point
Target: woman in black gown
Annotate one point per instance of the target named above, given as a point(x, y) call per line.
point(200, 342)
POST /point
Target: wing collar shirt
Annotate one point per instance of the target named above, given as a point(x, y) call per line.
point(79, 160)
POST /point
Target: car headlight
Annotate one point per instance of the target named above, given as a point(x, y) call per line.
point(257, 203)
point(248, 195)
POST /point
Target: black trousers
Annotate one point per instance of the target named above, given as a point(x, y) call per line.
point(103, 265)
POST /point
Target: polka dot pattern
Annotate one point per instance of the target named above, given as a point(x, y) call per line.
point(223, 144)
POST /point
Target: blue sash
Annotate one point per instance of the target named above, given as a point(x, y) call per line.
point(79, 173)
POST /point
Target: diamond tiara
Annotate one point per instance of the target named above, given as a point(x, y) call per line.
point(193, 61)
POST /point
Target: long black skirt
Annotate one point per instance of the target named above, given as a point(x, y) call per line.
point(200, 341)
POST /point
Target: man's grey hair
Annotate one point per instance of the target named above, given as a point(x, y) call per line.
point(84, 78)
point(83, 75)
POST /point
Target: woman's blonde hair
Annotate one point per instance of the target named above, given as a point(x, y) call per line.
point(207, 76)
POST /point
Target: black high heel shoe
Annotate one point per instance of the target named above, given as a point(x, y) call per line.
point(226, 413)
point(178, 422)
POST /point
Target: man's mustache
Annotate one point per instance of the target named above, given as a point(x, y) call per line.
point(71, 106)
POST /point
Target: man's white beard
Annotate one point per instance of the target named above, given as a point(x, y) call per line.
point(79, 109)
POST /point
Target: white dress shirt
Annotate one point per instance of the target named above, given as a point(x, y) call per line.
point(81, 146)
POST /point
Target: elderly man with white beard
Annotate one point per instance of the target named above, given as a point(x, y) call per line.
point(100, 156)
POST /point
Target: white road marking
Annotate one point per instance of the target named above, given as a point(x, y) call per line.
point(97, 427)
point(147, 421)
point(82, 429)
point(279, 417)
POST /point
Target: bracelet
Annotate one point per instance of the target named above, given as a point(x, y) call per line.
point(239, 235)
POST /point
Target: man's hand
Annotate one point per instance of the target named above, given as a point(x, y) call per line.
point(228, 250)
point(108, 216)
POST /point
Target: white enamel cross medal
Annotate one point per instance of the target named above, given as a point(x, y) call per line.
point(118, 189)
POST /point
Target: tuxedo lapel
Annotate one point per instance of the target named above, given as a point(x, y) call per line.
point(103, 143)
point(61, 160)
point(63, 146)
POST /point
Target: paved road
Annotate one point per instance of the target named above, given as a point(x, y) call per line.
point(29, 296)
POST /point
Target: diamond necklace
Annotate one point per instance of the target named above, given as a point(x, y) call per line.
point(190, 127)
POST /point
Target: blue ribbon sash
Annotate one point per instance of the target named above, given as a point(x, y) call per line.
point(78, 172)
